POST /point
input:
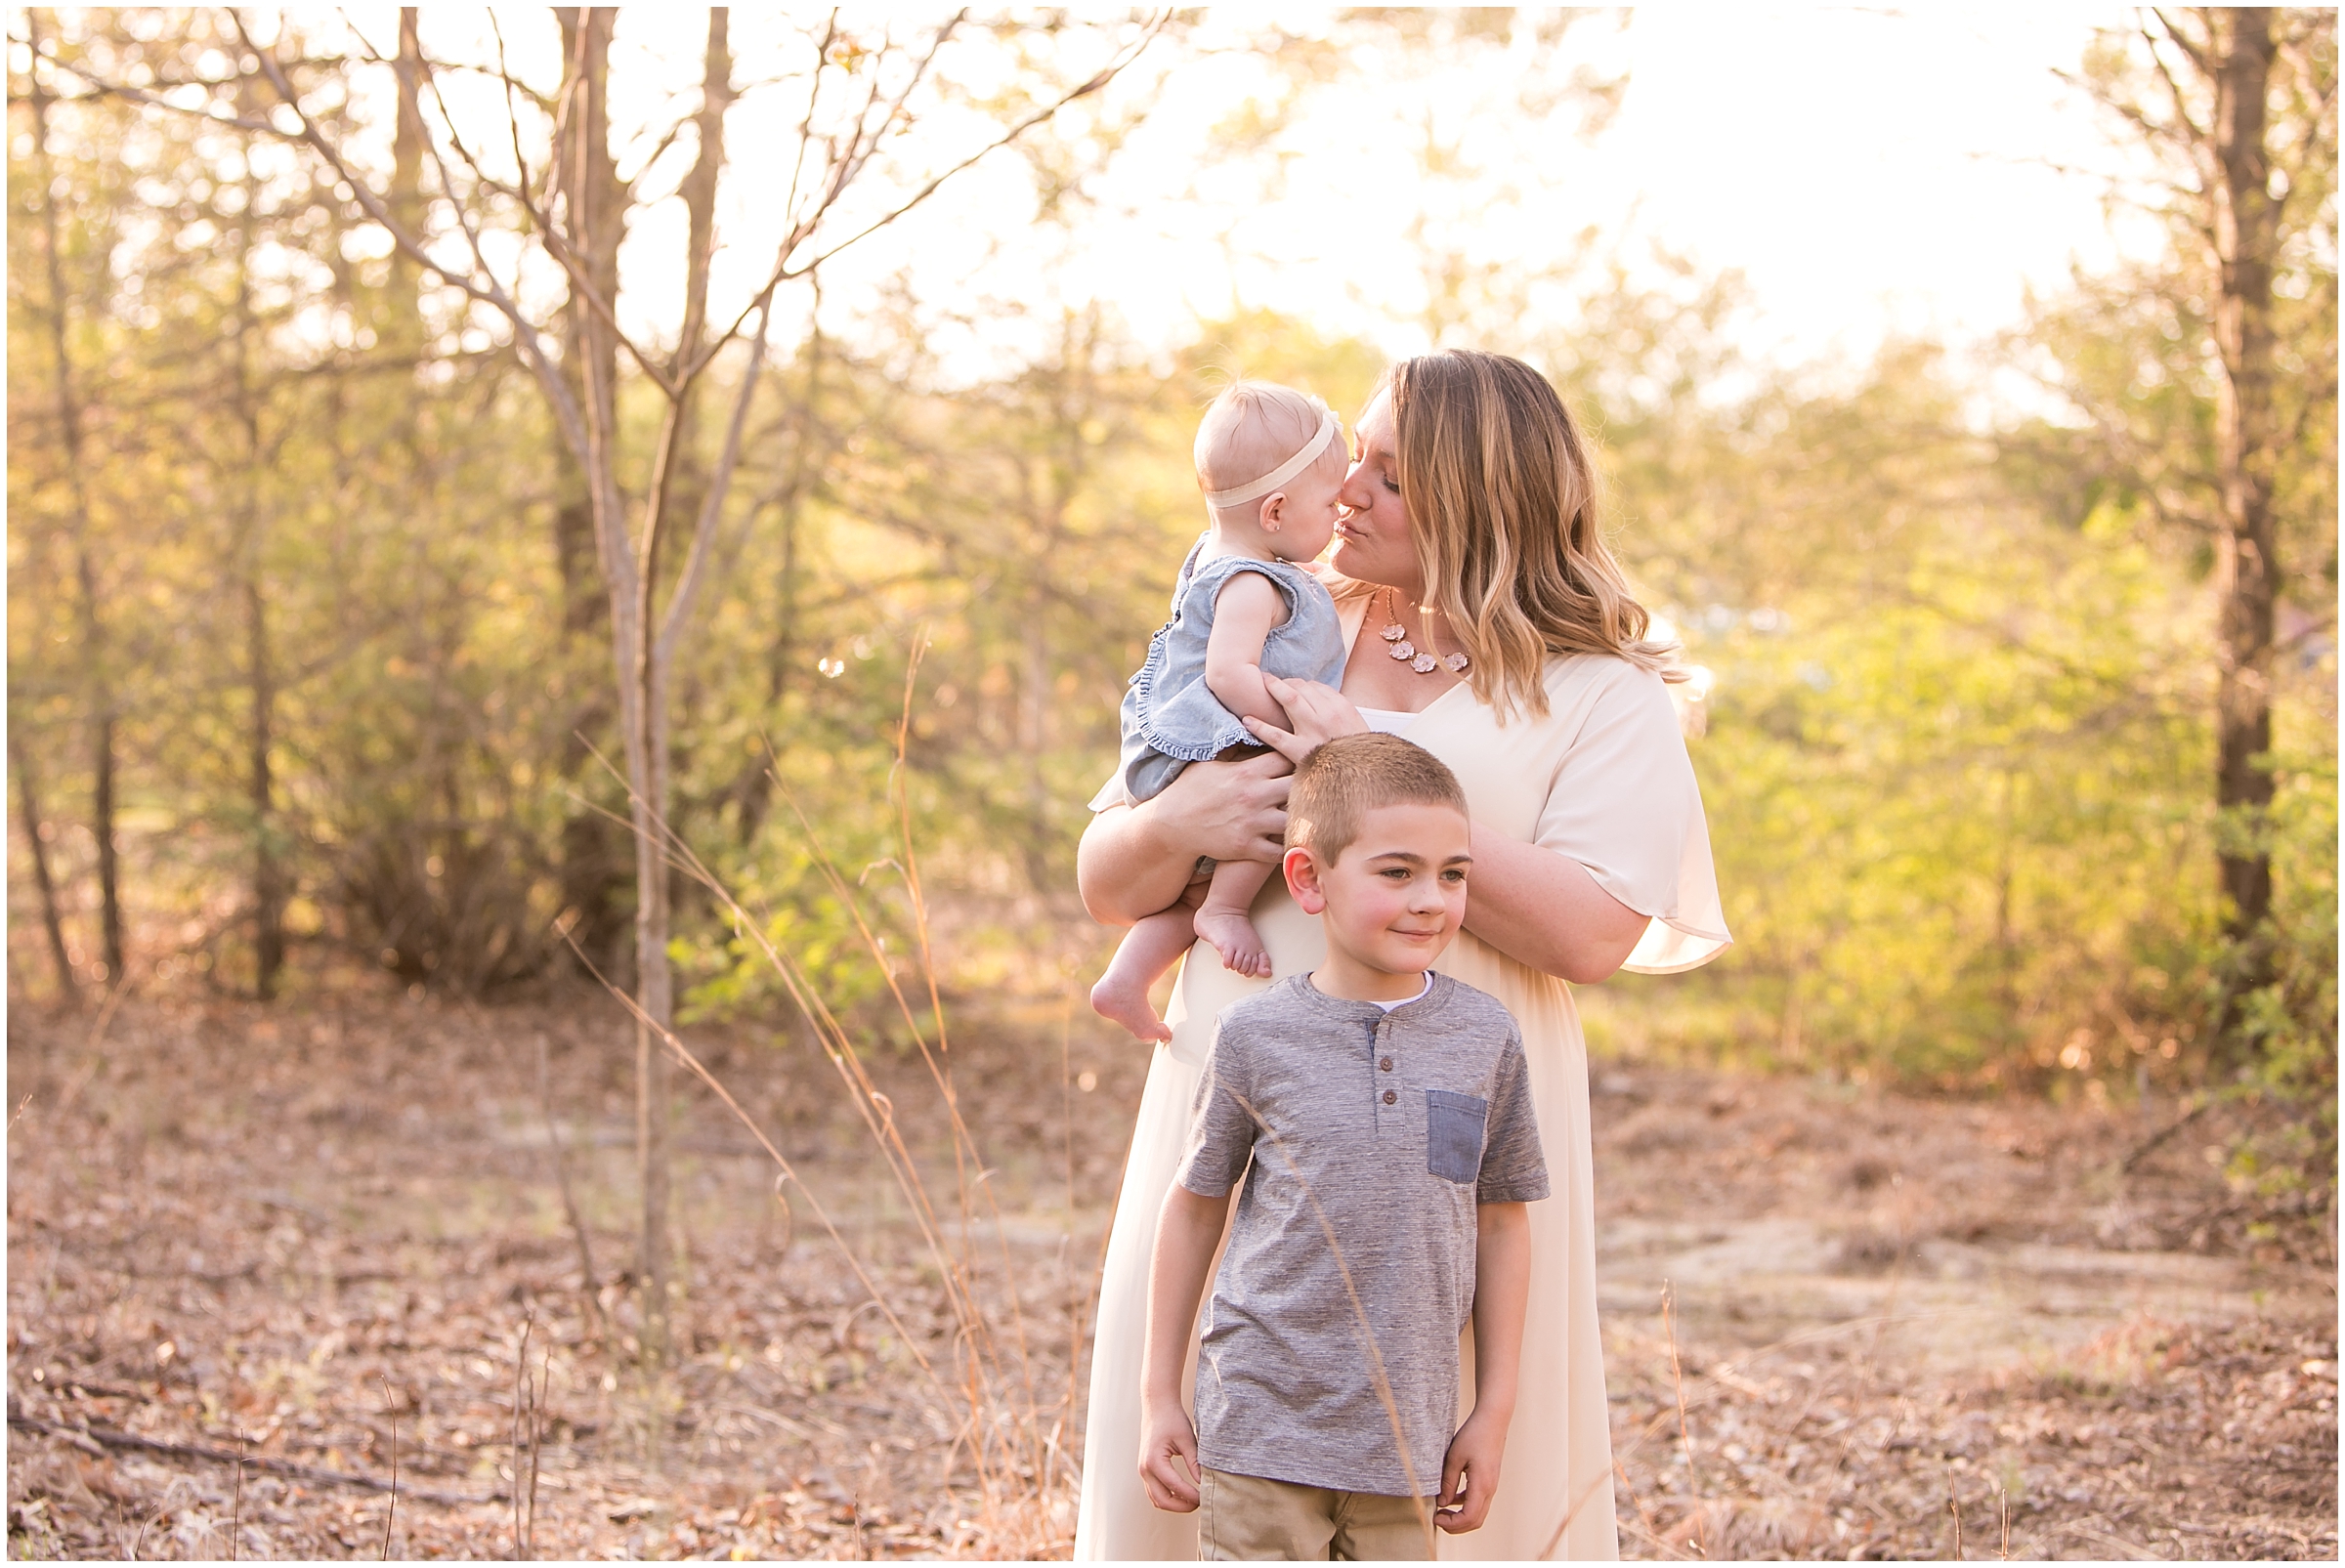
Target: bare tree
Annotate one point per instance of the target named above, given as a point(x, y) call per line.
point(861, 96)
point(2231, 97)
point(584, 184)
point(89, 612)
point(29, 812)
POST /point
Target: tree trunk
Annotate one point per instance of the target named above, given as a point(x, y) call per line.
point(595, 203)
point(2247, 574)
point(29, 808)
point(1034, 725)
point(753, 788)
point(267, 875)
point(96, 682)
point(647, 755)
point(101, 783)
point(402, 329)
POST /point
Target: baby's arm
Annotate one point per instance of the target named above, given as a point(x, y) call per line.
point(1247, 610)
point(1502, 1293)
point(1186, 1232)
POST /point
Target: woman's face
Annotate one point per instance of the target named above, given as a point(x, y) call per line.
point(1373, 542)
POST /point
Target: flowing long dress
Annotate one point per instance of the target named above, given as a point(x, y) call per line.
point(1605, 779)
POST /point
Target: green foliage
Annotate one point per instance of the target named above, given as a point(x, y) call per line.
point(2293, 1020)
point(1953, 745)
point(1954, 739)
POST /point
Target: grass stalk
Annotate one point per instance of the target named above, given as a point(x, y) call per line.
point(1676, 1375)
point(235, 1512)
point(1011, 1441)
point(1359, 1312)
point(391, 1509)
point(588, 1279)
point(521, 1393)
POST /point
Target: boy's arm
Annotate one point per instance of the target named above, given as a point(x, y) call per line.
point(1502, 1291)
point(1246, 612)
point(1186, 1234)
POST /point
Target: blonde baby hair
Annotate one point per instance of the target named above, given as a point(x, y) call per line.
point(1253, 431)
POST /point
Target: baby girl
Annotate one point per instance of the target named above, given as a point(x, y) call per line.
point(1270, 460)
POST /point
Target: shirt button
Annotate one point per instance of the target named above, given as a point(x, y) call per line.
point(1389, 1096)
point(1384, 1066)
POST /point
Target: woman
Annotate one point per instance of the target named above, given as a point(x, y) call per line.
point(1503, 639)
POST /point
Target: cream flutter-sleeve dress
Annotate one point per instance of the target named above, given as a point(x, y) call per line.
point(1605, 779)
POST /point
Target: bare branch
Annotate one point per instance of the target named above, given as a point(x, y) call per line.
point(705, 529)
point(814, 98)
point(660, 151)
point(100, 88)
point(864, 142)
point(1105, 76)
point(2196, 137)
point(525, 338)
point(555, 245)
point(504, 74)
point(2197, 56)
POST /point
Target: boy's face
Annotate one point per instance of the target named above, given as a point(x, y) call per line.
point(1395, 897)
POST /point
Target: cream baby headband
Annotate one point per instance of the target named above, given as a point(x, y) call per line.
point(1329, 428)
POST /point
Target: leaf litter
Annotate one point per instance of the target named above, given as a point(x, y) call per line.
point(309, 1231)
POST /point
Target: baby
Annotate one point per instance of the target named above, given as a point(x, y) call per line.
point(1270, 460)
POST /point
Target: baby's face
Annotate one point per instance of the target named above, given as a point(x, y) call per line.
point(1306, 517)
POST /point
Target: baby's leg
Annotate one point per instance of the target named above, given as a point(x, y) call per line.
point(1224, 919)
point(1150, 948)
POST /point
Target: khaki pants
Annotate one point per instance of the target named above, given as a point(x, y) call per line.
point(1245, 1518)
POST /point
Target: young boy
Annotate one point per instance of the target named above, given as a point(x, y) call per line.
point(1385, 1114)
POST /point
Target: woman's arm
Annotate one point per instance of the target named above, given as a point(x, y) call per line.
point(1137, 859)
point(1543, 909)
point(1536, 907)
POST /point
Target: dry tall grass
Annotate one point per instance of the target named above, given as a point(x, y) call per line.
point(1013, 1438)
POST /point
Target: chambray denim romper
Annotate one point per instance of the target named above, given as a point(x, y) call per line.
point(1170, 719)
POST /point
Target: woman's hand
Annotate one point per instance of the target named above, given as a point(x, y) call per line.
point(1135, 859)
point(1315, 715)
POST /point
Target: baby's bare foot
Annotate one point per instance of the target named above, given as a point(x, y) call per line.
point(1120, 1002)
point(1234, 937)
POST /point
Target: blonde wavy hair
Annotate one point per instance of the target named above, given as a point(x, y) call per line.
point(1502, 503)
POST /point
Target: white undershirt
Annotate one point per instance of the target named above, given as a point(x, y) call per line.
point(1420, 990)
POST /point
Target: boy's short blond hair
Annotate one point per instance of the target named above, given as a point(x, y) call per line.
point(1345, 778)
point(1252, 429)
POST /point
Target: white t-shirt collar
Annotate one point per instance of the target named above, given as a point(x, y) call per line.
point(1405, 1000)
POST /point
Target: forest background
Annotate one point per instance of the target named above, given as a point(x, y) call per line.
point(310, 597)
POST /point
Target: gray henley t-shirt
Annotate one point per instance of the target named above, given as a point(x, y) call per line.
point(1381, 1131)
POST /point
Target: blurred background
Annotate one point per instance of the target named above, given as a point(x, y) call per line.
point(452, 450)
point(1901, 336)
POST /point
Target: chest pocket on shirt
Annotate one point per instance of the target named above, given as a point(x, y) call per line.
point(1452, 1135)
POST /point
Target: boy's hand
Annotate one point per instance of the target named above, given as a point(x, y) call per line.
point(1470, 1473)
point(1168, 1457)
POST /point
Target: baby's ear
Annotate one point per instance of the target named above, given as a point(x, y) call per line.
point(1273, 505)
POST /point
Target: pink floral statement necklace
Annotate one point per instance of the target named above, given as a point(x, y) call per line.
point(1423, 662)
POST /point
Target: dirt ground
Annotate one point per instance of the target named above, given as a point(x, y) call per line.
point(260, 1256)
